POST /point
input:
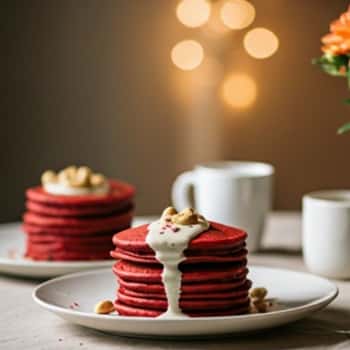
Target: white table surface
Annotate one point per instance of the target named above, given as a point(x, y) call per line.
point(24, 325)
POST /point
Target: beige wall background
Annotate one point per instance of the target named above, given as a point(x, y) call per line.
point(91, 82)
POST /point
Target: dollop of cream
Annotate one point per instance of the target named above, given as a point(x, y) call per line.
point(66, 190)
point(169, 240)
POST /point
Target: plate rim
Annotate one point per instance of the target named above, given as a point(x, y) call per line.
point(61, 310)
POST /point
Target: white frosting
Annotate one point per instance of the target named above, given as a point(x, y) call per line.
point(66, 190)
point(169, 241)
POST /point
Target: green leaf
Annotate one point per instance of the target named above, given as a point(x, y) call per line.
point(335, 65)
point(338, 60)
point(347, 101)
point(331, 70)
point(345, 128)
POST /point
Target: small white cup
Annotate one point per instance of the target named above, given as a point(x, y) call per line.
point(234, 193)
point(326, 233)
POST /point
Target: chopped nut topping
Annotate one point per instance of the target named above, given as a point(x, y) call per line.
point(258, 303)
point(170, 211)
point(97, 179)
point(187, 217)
point(258, 292)
point(74, 176)
point(64, 176)
point(48, 176)
point(104, 307)
point(70, 171)
point(81, 177)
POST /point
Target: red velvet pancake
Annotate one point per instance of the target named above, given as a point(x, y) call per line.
point(186, 305)
point(63, 211)
point(150, 256)
point(202, 287)
point(65, 256)
point(217, 237)
point(98, 224)
point(72, 231)
point(222, 258)
point(70, 239)
point(227, 294)
point(190, 273)
point(119, 192)
point(59, 247)
point(127, 310)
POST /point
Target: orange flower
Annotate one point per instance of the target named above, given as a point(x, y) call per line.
point(337, 42)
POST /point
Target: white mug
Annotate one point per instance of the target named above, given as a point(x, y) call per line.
point(235, 193)
point(326, 233)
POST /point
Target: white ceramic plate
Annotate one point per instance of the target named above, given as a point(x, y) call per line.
point(12, 246)
point(73, 298)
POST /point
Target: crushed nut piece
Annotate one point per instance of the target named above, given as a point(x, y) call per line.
point(81, 177)
point(186, 217)
point(258, 293)
point(97, 180)
point(104, 307)
point(64, 176)
point(71, 170)
point(258, 301)
point(48, 176)
point(170, 211)
point(260, 305)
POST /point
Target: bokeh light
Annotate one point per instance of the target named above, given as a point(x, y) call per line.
point(237, 14)
point(239, 90)
point(187, 54)
point(193, 13)
point(260, 43)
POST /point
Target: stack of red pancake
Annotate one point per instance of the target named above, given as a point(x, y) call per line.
point(214, 274)
point(60, 227)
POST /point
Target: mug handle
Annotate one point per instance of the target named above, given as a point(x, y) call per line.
point(180, 190)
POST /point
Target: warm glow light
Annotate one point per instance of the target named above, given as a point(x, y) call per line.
point(210, 72)
point(239, 90)
point(193, 13)
point(237, 14)
point(260, 43)
point(187, 54)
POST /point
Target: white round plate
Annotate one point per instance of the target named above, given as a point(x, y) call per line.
point(12, 262)
point(73, 298)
